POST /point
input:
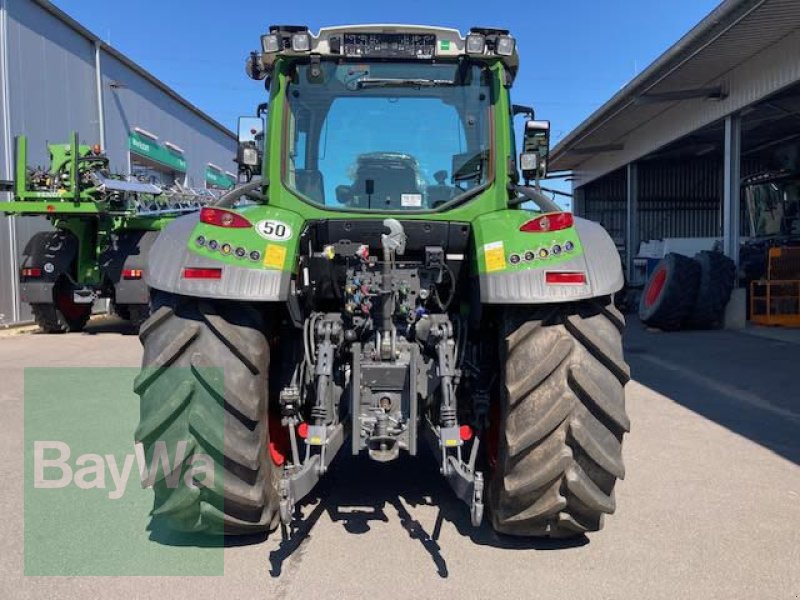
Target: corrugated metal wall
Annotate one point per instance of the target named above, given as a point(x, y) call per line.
point(604, 200)
point(48, 70)
point(679, 200)
point(676, 199)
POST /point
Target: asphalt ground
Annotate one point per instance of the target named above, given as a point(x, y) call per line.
point(709, 508)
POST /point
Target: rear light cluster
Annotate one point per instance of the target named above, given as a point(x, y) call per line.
point(565, 277)
point(227, 249)
point(223, 218)
point(202, 273)
point(132, 273)
point(542, 253)
point(31, 272)
point(549, 222)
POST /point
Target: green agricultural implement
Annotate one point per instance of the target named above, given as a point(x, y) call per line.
point(103, 228)
point(386, 279)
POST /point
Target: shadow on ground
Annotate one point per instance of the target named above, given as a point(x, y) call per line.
point(357, 493)
point(110, 324)
point(744, 382)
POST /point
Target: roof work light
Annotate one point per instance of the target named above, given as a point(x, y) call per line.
point(476, 43)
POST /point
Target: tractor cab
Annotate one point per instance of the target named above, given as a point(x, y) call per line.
point(772, 200)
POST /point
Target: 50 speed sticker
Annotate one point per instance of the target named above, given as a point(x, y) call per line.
point(274, 231)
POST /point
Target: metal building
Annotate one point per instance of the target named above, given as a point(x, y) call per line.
point(57, 77)
point(666, 155)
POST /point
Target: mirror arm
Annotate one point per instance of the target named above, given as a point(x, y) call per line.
point(519, 109)
point(248, 189)
point(527, 193)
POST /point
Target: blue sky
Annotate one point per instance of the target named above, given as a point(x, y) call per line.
point(574, 55)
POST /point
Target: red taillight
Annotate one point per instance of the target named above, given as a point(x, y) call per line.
point(191, 273)
point(222, 218)
point(132, 273)
point(32, 272)
point(549, 222)
point(565, 277)
point(465, 431)
point(302, 430)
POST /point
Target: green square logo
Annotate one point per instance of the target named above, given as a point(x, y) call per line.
point(86, 510)
point(444, 45)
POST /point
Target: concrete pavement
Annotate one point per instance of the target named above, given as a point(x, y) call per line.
point(710, 507)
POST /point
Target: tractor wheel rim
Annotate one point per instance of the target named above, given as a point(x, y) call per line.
point(656, 287)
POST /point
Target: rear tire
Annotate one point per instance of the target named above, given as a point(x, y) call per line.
point(189, 346)
point(136, 314)
point(562, 418)
point(63, 315)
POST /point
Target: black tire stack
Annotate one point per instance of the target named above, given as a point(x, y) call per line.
point(685, 292)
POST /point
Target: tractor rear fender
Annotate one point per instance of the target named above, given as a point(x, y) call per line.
point(264, 272)
point(513, 265)
point(53, 252)
point(123, 264)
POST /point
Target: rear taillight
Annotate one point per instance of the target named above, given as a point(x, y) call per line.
point(565, 277)
point(32, 272)
point(302, 430)
point(192, 273)
point(222, 218)
point(549, 222)
point(132, 273)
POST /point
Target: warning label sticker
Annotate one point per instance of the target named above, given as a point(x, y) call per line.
point(274, 256)
point(495, 256)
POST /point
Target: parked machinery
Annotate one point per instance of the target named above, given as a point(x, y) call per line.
point(104, 226)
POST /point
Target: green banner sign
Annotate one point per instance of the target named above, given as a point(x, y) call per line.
point(148, 148)
point(219, 179)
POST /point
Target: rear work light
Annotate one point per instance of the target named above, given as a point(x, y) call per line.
point(192, 273)
point(565, 277)
point(132, 273)
point(549, 222)
point(32, 272)
point(222, 218)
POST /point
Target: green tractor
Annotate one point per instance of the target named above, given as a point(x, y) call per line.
point(103, 227)
point(386, 279)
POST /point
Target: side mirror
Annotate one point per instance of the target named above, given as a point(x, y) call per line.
point(251, 143)
point(254, 67)
point(535, 149)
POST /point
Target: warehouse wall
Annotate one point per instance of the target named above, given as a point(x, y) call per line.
point(761, 75)
point(131, 101)
point(676, 199)
point(47, 67)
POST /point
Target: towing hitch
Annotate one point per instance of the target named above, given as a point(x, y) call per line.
point(321, 446)
point(464, 480)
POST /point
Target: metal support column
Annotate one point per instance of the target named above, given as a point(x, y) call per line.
point(8, 167)
point(631, 218)
point(101, 113)
point(731, 191)
point(578, 208)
